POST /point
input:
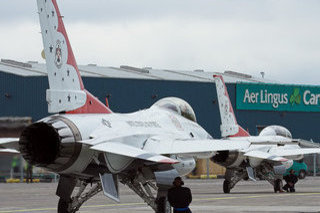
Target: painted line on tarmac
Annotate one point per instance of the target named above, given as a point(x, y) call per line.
point(55, 208)
point(136, 204)
point(257, 196)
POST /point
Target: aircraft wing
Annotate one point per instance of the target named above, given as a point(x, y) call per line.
point(192, 146)
point(264, 155)
point(9, 151)
point(154, 149)
point(9, 143)
point(292, 152)
point(131, 151)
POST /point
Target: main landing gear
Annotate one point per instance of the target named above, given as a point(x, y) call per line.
point(232, 177)
point(143, 188)
point(265, 171)
point(146, 190)
point(68, 204)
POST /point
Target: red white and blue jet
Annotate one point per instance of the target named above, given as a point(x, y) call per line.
point(94, 149)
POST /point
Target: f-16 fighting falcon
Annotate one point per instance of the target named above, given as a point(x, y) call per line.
point(267, 155)
point(94, 149)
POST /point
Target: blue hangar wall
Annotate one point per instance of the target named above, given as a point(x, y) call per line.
point(25, 96)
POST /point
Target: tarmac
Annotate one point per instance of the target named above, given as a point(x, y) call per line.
point(247, 196)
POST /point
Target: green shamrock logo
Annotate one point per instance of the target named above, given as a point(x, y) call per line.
point(295, 96)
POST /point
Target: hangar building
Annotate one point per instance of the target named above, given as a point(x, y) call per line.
point(257, 102)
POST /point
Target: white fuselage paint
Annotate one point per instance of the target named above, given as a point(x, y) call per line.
point(140, 126)
point(155, 121)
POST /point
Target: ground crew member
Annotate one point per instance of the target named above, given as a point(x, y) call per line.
point(15, 165)
point(29, 173)
point(179, 197)
point(291, 179)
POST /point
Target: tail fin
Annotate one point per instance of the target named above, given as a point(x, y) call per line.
point(229, 126)
point(66, 91)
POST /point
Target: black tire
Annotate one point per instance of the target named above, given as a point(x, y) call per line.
point(302, 174)
point(163, 205)
point(278, 185)
point(226, 186)
point(63, 206)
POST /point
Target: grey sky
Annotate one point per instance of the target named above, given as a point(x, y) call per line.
point(280, 37)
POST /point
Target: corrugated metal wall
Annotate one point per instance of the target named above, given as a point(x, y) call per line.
point(25, 96)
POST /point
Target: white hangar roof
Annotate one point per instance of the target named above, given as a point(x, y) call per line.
point(33, 68)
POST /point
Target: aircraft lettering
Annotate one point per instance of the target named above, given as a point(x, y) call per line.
point(106, 123)
point(145, 124)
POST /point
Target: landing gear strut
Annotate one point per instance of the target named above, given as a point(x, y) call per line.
point(142, 187)
point(68, 204)
point(146, 190)
point(232, 177)
point(266, 171)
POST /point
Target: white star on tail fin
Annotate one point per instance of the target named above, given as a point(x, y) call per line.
point(229, 126)
point(66, 91)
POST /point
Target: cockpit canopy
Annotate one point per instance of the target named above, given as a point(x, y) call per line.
point(275, 130)
point(178, 106)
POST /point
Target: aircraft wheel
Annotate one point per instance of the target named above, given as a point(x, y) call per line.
point(278, 185)
point(63, 206)
point(226, 186)
point(246, 178)
point(163, 205)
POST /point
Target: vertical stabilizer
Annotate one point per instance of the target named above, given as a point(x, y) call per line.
point(66, 92)
point(229, 126)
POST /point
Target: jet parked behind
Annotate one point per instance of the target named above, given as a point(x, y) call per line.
point(267, 156)
point(94, 149)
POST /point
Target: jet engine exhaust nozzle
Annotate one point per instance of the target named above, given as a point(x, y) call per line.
point(50, 144)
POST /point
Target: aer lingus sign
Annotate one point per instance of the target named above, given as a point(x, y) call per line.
point(278, 97)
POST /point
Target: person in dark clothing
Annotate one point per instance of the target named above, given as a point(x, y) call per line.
point(179, 197)
point(29, 173)
point(290, 179)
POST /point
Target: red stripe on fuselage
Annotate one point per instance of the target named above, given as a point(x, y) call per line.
point(167, 161)
point(93, 105)
point(241, 133)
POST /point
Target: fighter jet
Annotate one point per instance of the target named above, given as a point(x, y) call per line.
point(94, 149)
point(267, 156)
